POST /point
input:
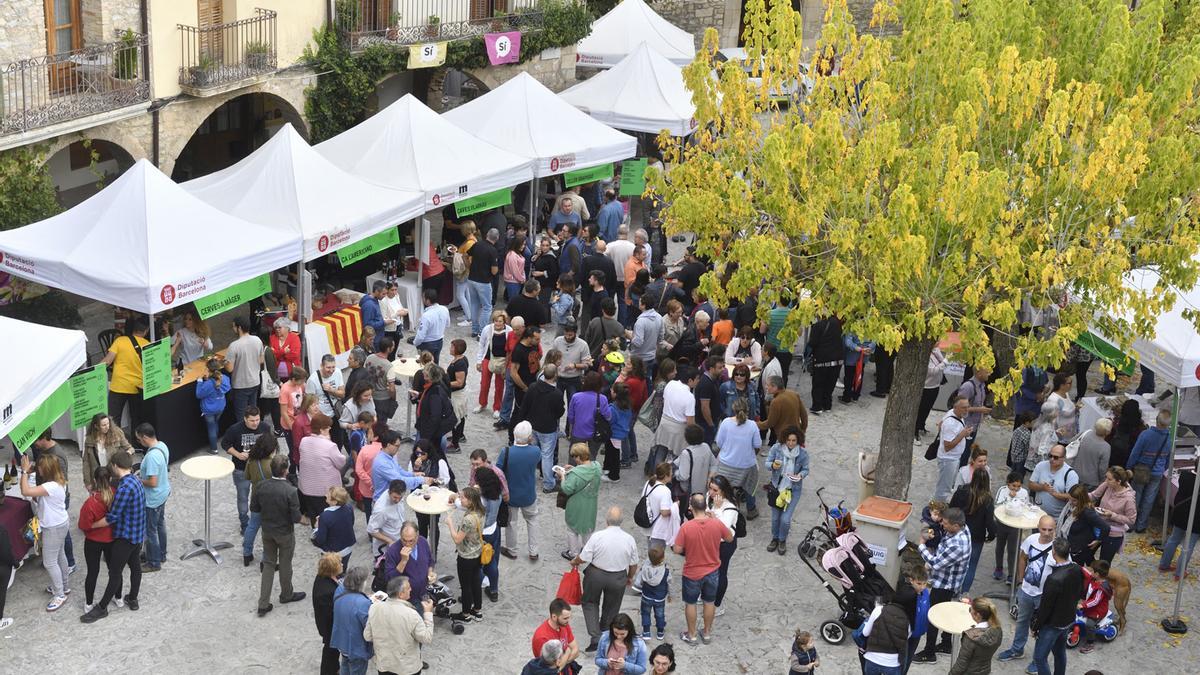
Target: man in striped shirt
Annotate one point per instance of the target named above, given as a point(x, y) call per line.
point(947, 569)
point(127, 517)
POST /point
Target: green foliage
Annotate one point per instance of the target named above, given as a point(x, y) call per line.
point(49, 309)
point(339, 99)
point(27, 194)
point(126, 65)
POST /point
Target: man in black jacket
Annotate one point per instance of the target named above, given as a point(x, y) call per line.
point(1056, 613)
point(599, 261)
point(543, 408)
point(279, 505)
point(828, 354)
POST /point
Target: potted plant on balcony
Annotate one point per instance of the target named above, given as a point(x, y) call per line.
point(125, 65)
point(499, 21)
point(431, 29)
point(258, 55)
point(204, 72)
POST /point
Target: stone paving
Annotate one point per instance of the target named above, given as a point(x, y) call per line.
point(196, 616)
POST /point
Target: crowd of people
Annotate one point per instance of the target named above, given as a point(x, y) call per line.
point(597, 337)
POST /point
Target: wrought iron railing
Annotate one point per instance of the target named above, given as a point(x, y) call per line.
point(47, 90)
point(228, 53)
point(363, 23)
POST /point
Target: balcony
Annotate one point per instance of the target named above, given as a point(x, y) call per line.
point(399, 23)
point(41, 96)
point(228, 56)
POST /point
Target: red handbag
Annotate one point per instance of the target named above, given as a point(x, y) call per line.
point(570, 589)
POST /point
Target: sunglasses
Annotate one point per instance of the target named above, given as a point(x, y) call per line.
point(1056, 456)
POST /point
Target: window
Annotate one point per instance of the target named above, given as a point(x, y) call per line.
point(63, 30)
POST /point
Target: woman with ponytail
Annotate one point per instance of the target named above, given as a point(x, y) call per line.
point(1116, 506)
point(980, 641)
point(738, 440)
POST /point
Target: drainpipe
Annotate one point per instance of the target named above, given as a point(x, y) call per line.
point(154, 108)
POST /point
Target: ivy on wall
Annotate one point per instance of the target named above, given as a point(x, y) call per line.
point(346, 81)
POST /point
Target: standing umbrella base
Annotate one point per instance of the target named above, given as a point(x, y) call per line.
point(1174, 625)
point(204, 547)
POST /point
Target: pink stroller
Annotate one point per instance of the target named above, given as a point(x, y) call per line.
point(849, 564)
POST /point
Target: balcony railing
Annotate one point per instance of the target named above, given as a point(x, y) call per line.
point(363, 23)
point(48, 90)
point(216, 57)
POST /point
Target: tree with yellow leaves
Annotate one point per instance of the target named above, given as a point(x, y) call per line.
point(933, 181)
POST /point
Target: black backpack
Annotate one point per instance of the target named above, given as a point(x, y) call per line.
point(641, 515)
point(739, 527)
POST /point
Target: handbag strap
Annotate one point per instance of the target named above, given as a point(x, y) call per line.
point(321, 381)
point(1160, 451)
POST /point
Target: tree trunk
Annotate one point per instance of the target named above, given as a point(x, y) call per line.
point(1003, 347)
point(893, 473)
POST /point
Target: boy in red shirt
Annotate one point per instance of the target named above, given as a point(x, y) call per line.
point(1095, 601)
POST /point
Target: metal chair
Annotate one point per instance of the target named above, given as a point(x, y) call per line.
point(106, 338)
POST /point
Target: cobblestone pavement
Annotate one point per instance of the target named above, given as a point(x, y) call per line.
point(196, 616)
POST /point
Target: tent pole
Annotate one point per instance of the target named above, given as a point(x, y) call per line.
point(300, 310)
point(533, 185)
point(1173, 623)
point(152, 326)
point(1170, 462)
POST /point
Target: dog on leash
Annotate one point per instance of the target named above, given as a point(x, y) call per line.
point(1120, 587)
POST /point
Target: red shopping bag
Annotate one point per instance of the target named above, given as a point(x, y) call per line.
point(570, 589)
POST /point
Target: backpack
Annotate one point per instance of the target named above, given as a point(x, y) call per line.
point(458, 266)
point(739, 527)
point(954, 394)
point(641, 514)
point(379, 580)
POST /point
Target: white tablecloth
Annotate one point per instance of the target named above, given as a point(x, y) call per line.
point(410, 294)
point(1091, 410)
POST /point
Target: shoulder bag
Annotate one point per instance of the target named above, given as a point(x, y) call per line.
point(651, 413)
point(562, 498)
point(336, 404)
point(601, 428)
point(931, 452)
point(496, 364)
point(1142, 472)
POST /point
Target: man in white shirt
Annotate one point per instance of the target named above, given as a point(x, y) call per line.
point(388, 515)
point(327, 385)
point(679, 410)
point(1033, 562)
point(243, 362)
point(393, 316)
point(620, 250)
point(659, 508)
point(611, 557)
point(953, 436)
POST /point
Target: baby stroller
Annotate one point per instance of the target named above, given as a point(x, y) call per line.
point(442, 602)
point(849, 564)
point(822, 537)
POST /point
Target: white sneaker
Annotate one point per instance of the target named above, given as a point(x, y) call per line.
point(477, 409)
point(495, 414)
point(720, 611)
point(5, 622)
point(119, 602)
point(464, 322)
point(87, 608)
point(57, 602)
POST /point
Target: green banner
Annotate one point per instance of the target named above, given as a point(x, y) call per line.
point(589, 175)
point(352, 253)
point(1106, 353)
point(491, 200)
point(28, 429)
point(156, 368)
point(89, 395)
point(237, 294)
point(633, 177)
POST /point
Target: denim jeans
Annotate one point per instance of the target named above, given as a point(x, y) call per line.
point(69, 546)
point(242, 399)
point(434, 347)
point(872, 668)
point(972, 565)
point(462, 292)
point(660, 615)
point(210, 424)
point(353, 666)
point(510, 397)
point(1051, 640)
point(548, 443)
point(781, 519)
point(947, 468)
point(1173, 542)
point(511, 290)
point(1026, 606)
point(629, 448)
point(242, 484)
point(569, 386)
point(481, 304)
point(1143, 496)
point(492, 569)
point(251, 532)
point(156, 535)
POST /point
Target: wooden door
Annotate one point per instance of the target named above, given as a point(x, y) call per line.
point(64, 34)
point(209, 15)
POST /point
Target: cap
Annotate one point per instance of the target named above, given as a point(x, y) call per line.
point(615, 358)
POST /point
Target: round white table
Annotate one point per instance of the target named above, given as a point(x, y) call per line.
point(405, 367)
point(207, 468)
point(953, 617)
point(438, 502)
point(1026, 519)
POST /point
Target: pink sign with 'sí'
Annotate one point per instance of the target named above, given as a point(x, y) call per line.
point(503, 47)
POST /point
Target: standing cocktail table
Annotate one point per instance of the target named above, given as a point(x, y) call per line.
point(207, 468)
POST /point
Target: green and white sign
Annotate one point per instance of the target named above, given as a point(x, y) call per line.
point(352, 253)
point(633, 177)
point(589, 175)
point(237, 294)
point(28, 429)
point(156, 368)
point(89, 395)
point(491, 200)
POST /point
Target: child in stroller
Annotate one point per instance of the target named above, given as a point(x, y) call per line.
point(849, 564)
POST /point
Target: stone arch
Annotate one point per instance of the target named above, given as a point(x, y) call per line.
point(389, 89)
point(451, 87)
point(110, 133)
point(82, 166)
point(246, 119)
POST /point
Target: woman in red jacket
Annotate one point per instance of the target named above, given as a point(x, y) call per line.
point(97, 540)
point(286, 346)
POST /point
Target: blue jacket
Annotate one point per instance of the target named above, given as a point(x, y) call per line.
point(519, 464)
point(349, 619)
point(921, 623)
point(635, 660)
point(335, 529)
point(621, 421)
point(372, 315)
point(799, 466)
point(1153, 448)
point(609, 219)
point(851, 342)
point(1033, 381)
point(729, 394)
point(212, 397)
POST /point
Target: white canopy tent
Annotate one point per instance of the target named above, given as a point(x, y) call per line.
point(618, 33)
point(408, 146)
point(35, 360)
point(288, 186)
point(644, 92)
point(524, 117)
point(1173, 352)
point(146, 244)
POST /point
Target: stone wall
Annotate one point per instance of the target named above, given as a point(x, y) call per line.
point(554, 68)
point(22, 30)
point(695, 16)
point(104, 19)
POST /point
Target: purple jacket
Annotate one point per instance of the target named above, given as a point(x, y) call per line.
point(581, 412)
point(417, 569)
